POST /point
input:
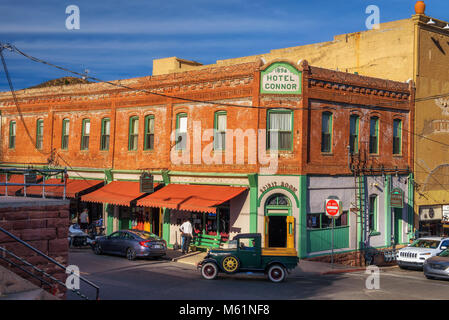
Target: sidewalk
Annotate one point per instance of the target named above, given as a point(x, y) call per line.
point(191, 258)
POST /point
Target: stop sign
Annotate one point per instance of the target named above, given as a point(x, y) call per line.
point(333, 208)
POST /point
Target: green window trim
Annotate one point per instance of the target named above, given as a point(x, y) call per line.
point(85, 134)
point(269, 130)
point(374, 135)
point(397, 137)
point(12, 134)
point(322, 215)
point(105, 134)
point(39, 134)
point(326, 132)
point(148, 143)
point(278, 202)
point(354, 127)
point(65, 134)
point(133, 133)
point(219, 133)
point(180, 141)
point(373, 212)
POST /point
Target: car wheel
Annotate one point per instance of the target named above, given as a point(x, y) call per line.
point(209, 271)
point(276, 273)
point(230, 264)
point(130, 254)
point(97, 249)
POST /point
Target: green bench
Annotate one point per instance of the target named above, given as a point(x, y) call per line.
point(204, 241)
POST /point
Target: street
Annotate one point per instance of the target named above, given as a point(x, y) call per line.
point(162, 279)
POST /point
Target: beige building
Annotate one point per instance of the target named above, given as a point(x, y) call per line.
point(411, 49)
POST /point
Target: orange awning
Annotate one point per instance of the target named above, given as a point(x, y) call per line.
point(116, 192)
point(199, 198)
point(73, 188)
point(15, 178)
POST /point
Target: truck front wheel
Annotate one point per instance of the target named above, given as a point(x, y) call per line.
point(209, 271)
point(276, 273)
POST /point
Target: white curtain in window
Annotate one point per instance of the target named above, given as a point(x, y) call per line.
point(87, 128)
point(66, 128)
point(221, 122)
point(280, 121)
point(151, 125)
point(135, 128)
point(182, 124)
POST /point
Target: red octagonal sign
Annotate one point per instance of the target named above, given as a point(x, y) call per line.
point(332, 207)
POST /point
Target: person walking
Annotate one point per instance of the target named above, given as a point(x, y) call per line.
point(84, 220)
point(186, 234)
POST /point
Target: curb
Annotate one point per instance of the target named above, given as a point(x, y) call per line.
point(342, 271)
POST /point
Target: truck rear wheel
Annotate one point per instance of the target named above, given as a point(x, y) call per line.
point(209, 271)
point(277, 273)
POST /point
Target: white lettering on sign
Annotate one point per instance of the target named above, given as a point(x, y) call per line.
point(280, 80)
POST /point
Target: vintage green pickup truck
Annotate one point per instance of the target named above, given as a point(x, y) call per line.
point(245, 254)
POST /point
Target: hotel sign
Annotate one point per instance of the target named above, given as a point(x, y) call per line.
point(280, 78)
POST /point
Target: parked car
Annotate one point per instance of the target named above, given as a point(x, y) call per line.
point(438, 266)
point(245, 254)
point(415, 254)
point(131, 244)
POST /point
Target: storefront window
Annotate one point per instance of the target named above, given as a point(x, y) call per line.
point(322, 221)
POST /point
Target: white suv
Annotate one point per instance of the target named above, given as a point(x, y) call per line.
point(415, 254)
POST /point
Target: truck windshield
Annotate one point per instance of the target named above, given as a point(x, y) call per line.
point(429, 244)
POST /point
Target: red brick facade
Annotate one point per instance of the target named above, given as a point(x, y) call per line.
point(340, 93)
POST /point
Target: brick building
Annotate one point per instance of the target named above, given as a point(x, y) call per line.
point(250, 147)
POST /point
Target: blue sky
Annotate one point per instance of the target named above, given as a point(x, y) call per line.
point(120, 39)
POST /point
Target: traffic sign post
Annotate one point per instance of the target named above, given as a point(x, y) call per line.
point(333, 210)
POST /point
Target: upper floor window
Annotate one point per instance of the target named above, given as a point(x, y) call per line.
point(12, 135)
point(39, 133)
point(326, 132)
point(374, 135)
point(105, 133)
point(85, 133)
point(397, 136)
point(181, 131)
point(133, 133)
point(354, 134)
point(220, 126)
point(65, 134)
point(149, 133)
point(280, 130)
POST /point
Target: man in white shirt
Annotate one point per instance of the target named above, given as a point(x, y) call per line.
point(186, 234)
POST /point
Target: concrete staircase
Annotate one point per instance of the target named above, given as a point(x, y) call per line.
point(13, 287)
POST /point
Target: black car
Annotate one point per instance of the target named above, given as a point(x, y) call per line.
point(131, 244)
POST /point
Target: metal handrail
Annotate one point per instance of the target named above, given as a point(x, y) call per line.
point(97, 289)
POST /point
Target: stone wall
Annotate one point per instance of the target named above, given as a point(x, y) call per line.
point(43, 224)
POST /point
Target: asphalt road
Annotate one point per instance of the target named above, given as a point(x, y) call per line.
point(119, 278)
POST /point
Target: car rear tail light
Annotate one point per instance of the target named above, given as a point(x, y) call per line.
point(144, 243)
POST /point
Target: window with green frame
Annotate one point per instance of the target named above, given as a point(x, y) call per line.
point(322, 221)
point(354, 134)
point(65, 134)
point(279, 130)
point(148, 143)
point(397, 136)
point(12, 134)
point(105, 133)
point(220, 125)
point(374, 135)
point(39, 134)
point(85, 133)
point(326, 132)
point(181, 131)
point(133, 133)
point(372, 212)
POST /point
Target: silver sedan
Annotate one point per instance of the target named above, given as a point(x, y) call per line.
point(438, 266)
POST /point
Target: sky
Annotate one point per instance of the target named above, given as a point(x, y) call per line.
point(120, 39)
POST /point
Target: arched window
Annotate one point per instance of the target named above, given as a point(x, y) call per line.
point(372, 213)
point(326, 132)
point(85, 134)
point(12, 135)
point(374, 135)
point(278, 200)
point(39, 134)
point(133, 133)
point(105, 133)
point(65, 134)
point(354, 134)
point(397, 136)
point(149, 133)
